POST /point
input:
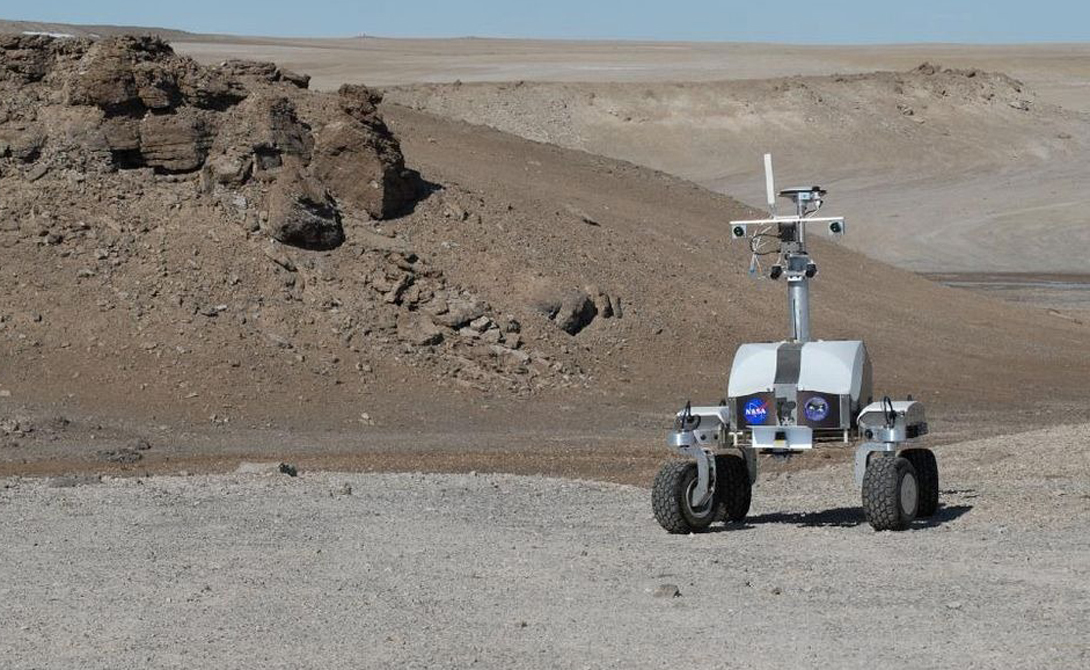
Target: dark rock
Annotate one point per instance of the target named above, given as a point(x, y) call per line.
point(295, 79)
point(302, 213)
point(359, 102)
point(571, 310)
point(616, 307)
point(237, 67)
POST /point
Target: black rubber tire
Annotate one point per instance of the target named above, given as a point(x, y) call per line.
point(733, 490)
point(882, 486)
point(670, 500)
point(927, 476)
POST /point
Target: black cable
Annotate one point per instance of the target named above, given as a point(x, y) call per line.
point(891, 415)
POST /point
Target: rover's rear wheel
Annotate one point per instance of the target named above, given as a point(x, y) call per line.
point(672, 503)
point(927, 476)
point(891, 493)
point(733, 489)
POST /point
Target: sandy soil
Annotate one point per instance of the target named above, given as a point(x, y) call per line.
point(458, 570)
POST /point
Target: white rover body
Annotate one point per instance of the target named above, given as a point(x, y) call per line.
point(785, 397)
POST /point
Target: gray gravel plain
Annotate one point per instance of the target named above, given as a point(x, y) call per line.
point(500, 571)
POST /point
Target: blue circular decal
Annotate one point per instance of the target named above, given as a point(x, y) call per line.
point(816, 409)
point(755, 410)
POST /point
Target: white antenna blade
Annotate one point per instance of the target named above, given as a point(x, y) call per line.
point(770, 184)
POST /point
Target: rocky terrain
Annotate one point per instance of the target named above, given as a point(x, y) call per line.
point(217, 261)
point(331, 570)
point(210, 263)
point(165, 193)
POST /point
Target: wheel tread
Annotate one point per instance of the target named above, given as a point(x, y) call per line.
point(733, 488)
point(881, 497)
point(927, 475)
point(666, 495)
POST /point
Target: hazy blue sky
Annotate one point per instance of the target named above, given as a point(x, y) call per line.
point(835, 21)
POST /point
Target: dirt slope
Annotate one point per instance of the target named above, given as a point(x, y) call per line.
point(139, 298)
point(939, 169)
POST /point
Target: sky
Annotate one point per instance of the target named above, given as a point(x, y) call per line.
point(810, 21)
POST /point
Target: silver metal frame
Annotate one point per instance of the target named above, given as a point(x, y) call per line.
point(702, 442)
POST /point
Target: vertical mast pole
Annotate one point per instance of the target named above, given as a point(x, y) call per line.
point(798, 284)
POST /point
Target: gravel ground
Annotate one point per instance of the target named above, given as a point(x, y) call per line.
point(409, 570)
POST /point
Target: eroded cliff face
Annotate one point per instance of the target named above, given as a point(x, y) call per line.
point(130, 102)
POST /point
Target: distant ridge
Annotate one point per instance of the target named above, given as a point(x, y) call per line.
point(74, 30)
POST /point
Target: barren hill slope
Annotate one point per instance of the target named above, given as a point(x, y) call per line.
point(938, 169)
point(526, 287)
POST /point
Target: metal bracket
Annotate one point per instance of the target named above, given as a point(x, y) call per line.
point(862, 455)
point(685, 443)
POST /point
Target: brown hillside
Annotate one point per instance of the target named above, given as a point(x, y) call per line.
point(516, 288)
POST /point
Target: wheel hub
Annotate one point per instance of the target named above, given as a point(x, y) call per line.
point(698, 511)
point(910, 493)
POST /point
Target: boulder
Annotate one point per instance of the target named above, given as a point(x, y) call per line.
point(265, 128)
point(104, 79)
point(263, 70)
point(128, 75)
point(460, 312)
point(231, 169)
point(156, 86)
point(361, 160)
point(175, 142)
point(27, 145)
point(417, 330)
point(25, 58)
point(363, 167)
point(302, 213)
point(571, 310)
point(575, 313)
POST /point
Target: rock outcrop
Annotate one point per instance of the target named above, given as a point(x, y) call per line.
point(130, 102)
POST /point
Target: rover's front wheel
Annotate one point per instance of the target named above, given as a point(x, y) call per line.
point(671, 499)
point(891, 493)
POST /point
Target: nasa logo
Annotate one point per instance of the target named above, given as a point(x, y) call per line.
point(756, 410)
point(816, 409)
